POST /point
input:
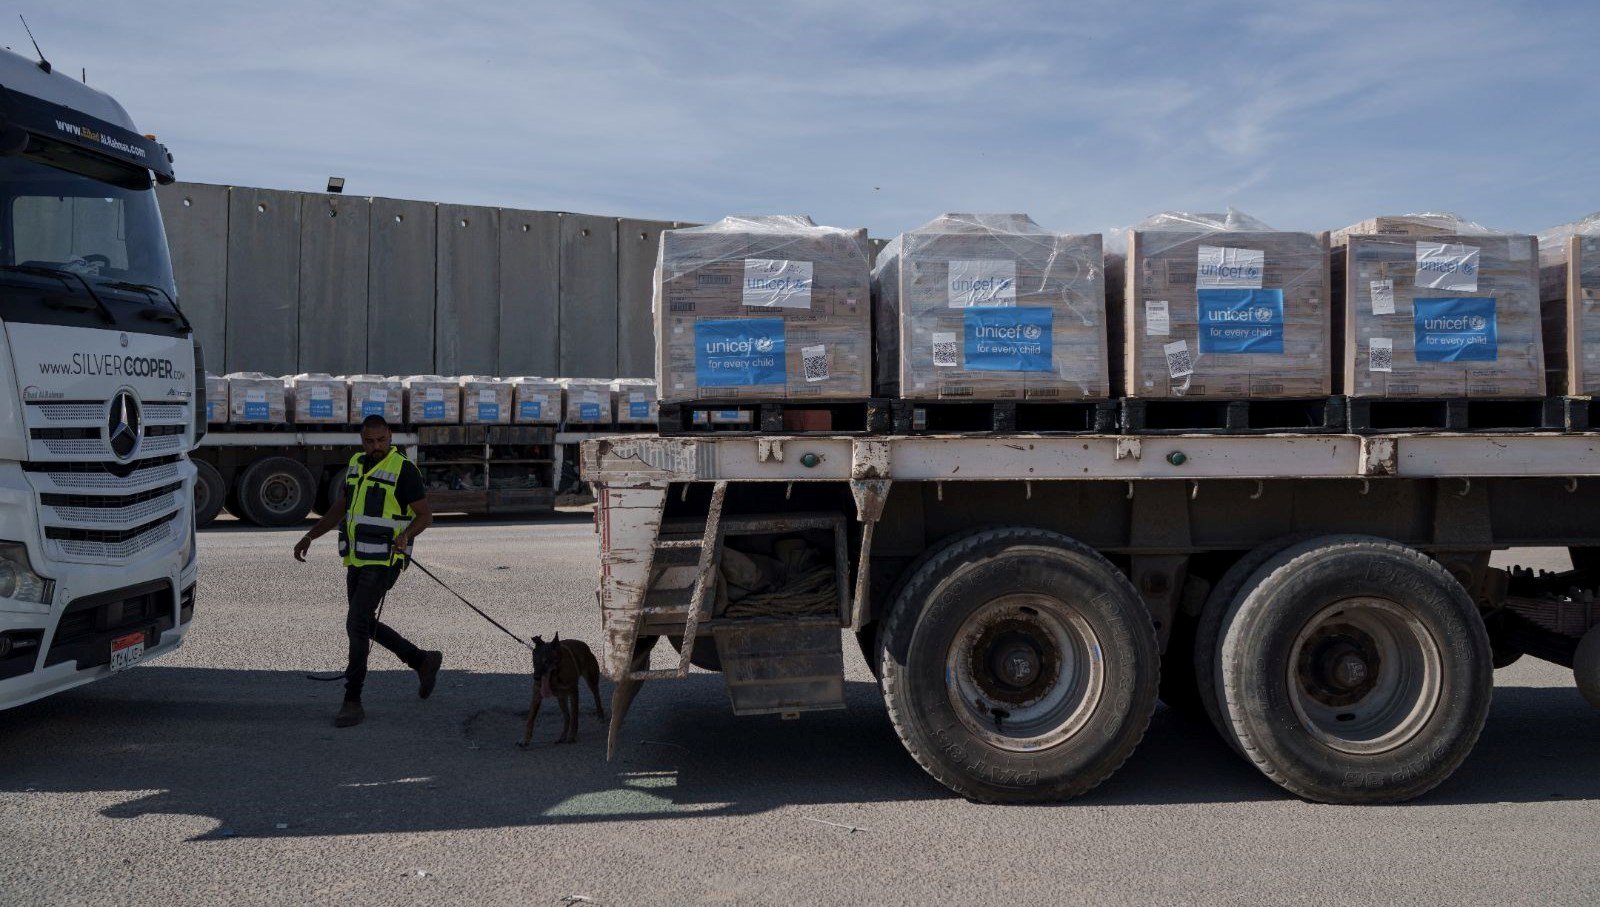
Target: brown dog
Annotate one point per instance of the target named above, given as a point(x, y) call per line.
point(557, 667)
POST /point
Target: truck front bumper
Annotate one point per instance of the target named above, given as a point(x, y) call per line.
point(42, 659)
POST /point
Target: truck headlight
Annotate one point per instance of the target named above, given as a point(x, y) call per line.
point(18, 582)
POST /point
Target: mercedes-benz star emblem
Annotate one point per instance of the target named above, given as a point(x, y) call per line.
point(126, 427)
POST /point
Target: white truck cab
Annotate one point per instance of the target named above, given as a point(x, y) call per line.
point(100, 389)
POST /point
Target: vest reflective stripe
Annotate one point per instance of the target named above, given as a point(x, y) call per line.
point(369, 528)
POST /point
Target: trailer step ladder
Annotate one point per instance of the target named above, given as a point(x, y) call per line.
point(709, 546)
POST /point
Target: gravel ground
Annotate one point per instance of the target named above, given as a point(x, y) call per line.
point(214, 776)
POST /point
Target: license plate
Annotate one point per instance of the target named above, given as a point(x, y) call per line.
point(126, 651)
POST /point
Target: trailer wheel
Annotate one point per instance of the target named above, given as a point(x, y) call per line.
point(230, 501)
point(1356, 670)
point(329, 490)
point(1018, 665)
point(1208, 629)
point(209, 490)
point(276, 491)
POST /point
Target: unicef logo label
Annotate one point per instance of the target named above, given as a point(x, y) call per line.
point(764, 344)
point(1032, 331)
point(1477, 322)
point(1263, 314)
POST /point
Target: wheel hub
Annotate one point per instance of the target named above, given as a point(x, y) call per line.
point(1364, 675)
point(1017, 661)
point(1339, 665)
point(1024, 672)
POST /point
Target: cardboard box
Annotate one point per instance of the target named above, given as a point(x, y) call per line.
point(257, 397)
point(635, 401)
point(375, 395)
point(485, 401)
point(216, 399)
point(763, 308)
point(1221, 306)
point(536, 401)
point(588, 401)
point(432, 400)
point(991, 307)
point(1437, 314)
point(1569, 296)
point(319, 399)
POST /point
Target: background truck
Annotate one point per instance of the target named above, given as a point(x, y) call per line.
point(1024, 600)
point(98, 399)
point(274, 475)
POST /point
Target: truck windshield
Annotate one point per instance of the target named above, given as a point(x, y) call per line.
point(68, 211)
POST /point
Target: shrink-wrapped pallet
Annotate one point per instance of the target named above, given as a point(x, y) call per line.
point(1222, 306)
point(432, 400)
point(537, 401)
point(635, 401)
point(375, 395)
point(991, 307)
point(319, 399)
point(256, 397)
point(1569, 294)
point(588, 401)
point(216, 399)
point(763, 308)
point(1434, 306)
point(485, 401)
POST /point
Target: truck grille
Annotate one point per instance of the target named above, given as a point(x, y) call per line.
point(111, 543)
point(76, 429)
point(108, 511)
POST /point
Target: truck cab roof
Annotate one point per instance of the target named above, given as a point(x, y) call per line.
point(20, 74)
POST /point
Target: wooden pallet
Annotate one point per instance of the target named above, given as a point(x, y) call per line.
point(1376, 415)
point(1312, 415)
point(790, 417)
point(918, 417)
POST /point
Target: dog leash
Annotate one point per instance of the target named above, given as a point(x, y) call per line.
point(501, 627)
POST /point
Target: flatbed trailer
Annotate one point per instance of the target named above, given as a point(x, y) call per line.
point(1326, 600)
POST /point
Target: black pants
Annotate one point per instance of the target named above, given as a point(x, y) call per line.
point(365, 587)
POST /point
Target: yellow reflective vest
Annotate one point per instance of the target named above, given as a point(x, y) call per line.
point(373, 517)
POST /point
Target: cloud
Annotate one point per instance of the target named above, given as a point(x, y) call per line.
point(883, 114)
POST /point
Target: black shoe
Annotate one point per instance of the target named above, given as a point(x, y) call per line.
point(350, 715)
point(428, 673)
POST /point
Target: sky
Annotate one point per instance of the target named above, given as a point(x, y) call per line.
point(879, 113)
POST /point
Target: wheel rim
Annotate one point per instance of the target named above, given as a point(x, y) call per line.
point(1024, 672)
point(202, 496)
point(1364, 676)
point(280, 493)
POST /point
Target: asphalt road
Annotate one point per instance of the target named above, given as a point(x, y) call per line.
point(214, 776)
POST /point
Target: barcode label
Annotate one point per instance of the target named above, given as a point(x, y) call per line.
point(814, 361)
point(1157, 318)
point(1179, 365)
point(1380, 355)
point(944, 349)
point(1383, 297)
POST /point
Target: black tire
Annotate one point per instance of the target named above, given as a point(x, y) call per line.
point(981, 587)
point(1206, 668)
point(1356, 670)
point(276, 491)
point(209, 491)
point(231, 504)
point(328, 491)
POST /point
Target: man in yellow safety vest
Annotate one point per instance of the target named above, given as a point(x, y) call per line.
point(381, 510)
